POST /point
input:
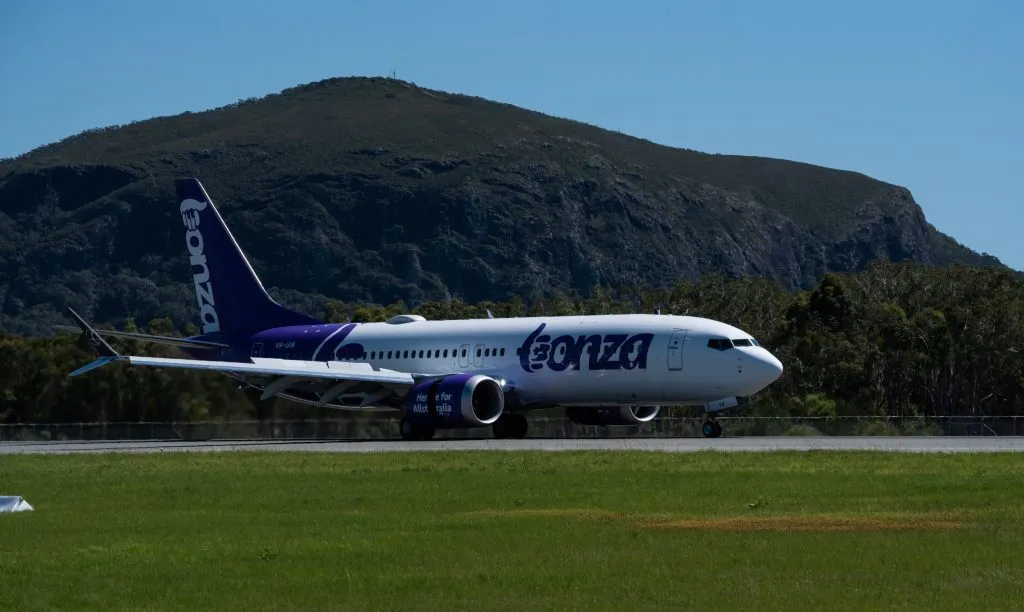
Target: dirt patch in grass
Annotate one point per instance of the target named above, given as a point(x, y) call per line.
point(817, 523)
point(568, 512)
point(780, 523)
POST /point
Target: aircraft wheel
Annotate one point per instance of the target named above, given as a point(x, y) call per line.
point(711, 429)
point(517, 426)
point(499, 429)
point(426, 432)
point(510, 426)
point(408, 429)
point(411, 430)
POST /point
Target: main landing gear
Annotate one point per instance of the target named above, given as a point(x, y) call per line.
point(510, 426)
point(711, 428)
point(412, 430)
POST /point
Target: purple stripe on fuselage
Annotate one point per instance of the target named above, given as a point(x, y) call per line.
point(307, 342)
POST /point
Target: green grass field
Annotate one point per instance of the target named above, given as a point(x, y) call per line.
point(514, 531)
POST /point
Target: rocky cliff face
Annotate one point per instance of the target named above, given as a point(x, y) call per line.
point(376, 190)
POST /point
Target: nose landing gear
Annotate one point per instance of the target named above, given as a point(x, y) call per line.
point(711, 429)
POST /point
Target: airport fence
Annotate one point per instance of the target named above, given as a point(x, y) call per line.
point(540, 427)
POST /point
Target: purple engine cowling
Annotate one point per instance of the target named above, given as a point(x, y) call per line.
point(611, 415)
point(459, 400)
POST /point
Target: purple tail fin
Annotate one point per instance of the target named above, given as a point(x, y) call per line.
point(231, 297)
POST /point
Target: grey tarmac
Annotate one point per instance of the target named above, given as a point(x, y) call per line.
point(921, 444)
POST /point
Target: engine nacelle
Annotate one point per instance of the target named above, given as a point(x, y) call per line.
point(456, 401)
point(611, 415)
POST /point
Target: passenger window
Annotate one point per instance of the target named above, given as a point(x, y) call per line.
point(445, 352)
point(502, 351)
point(463, 352)
point(478, 354)
point(389, 354)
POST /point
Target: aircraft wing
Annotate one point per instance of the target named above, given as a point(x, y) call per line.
point(331, 370)
point(319, 382)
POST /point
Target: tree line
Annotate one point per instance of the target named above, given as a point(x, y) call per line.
point(900, 340)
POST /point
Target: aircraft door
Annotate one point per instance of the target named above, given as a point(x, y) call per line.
point(675, 349)
point(478, 356)
point(464, 356)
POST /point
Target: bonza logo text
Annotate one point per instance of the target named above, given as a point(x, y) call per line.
point(606, 352)
point(194, 241)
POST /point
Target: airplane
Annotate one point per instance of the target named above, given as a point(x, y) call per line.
point(614, 369)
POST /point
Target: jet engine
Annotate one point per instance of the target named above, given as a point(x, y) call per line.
point(457, 401)
point(611, 415)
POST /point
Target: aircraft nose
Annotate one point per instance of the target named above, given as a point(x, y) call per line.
point(767, 366)
point(771, 366)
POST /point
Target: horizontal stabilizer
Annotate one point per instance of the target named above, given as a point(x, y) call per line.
point(182, 342)
point(99, 345)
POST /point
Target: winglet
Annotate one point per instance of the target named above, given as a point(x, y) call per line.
point(98, 363)
point(105, 352)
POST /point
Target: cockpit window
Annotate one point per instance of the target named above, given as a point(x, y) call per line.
point(741, 342)
point(720, 344)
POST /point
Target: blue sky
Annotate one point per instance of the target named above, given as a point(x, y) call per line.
point(928, 95)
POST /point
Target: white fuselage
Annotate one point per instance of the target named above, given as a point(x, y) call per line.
point(577, 360)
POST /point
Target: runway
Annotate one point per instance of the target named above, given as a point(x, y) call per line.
point(922, 444)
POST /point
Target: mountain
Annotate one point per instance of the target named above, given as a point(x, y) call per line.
point(372, 189)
